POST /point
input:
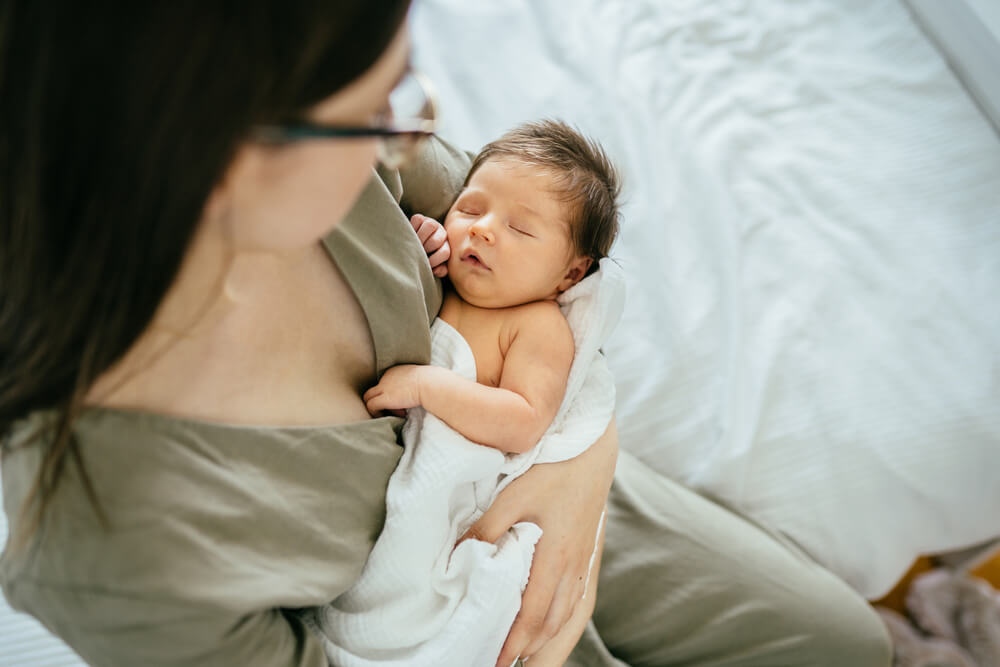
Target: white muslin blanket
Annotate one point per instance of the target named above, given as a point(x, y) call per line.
point(422, 601)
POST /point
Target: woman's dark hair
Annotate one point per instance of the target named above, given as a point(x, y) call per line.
point(117, 119)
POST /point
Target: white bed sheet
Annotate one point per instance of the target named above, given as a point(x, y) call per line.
point(812, 238)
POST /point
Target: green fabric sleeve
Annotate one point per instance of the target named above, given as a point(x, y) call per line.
point(432, 181)
point(109, 630)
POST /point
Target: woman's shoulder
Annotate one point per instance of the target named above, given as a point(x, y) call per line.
point(242, 518)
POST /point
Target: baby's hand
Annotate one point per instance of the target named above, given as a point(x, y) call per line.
point(432, 234)
point(398, 390)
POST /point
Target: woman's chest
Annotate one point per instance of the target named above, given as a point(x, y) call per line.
point(325, 358)
point(299, 352)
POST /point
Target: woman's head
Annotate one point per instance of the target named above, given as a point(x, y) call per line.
point(284, 196)
point(123, 125)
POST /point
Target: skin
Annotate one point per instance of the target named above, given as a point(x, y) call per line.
point(512, 256)
point(260, 328)
point(554, 611)
point(488, 220)
point(510, 237)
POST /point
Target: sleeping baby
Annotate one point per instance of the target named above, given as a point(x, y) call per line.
point(536, 215)
point(537, 211)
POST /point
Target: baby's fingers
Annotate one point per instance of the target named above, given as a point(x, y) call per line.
point(425, 227)
point(377, 405)
point(374, 400)
point(436, 239)
point(439, 260)
point(416, 219)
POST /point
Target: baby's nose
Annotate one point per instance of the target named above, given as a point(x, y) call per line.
point(483, 231)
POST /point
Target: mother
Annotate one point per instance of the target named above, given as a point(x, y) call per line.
point(184, 340)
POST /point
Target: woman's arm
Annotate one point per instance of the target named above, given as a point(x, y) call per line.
point(566, 499)
point(123, 628)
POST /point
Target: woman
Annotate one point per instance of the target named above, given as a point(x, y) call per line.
point(186, 332)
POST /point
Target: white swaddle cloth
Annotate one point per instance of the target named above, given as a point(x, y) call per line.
point(422, 601)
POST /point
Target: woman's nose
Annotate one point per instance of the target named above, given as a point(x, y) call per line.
point(482, 229)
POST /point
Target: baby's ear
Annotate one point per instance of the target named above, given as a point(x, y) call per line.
point(577, 270)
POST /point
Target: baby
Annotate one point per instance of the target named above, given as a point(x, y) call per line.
point(538, 210)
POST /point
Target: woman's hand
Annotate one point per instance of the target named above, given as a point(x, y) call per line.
point(566, 500)
point(435, 241)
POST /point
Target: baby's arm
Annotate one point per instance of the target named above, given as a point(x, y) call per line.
point(512, 417)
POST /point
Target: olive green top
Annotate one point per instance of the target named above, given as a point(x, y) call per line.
point(217, 531)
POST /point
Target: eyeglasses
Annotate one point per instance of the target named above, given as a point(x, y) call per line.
point(408, 120)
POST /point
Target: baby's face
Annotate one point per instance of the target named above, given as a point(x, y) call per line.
point(510, 238)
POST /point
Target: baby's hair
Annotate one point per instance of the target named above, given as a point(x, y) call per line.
point(584, 174)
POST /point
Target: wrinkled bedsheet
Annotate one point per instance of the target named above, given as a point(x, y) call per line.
point(812, 242)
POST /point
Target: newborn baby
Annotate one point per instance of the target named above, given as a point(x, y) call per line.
point(515, 378)
point(537, 211)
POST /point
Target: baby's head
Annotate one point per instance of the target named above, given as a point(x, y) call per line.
point(538, 211)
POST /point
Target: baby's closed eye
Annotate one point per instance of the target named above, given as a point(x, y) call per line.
point(520, 230)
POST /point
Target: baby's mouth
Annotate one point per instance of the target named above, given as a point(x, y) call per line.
point(473, 259)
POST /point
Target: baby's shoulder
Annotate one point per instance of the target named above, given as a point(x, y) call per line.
point(546, 310)
point(539, 319)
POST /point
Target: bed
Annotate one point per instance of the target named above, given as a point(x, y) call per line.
point(811, 235)
point(811, 232)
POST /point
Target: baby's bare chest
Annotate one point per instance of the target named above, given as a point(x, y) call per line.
point(487, 332)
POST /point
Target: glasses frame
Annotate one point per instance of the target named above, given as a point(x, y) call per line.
point(304, 130)
point(419, 129)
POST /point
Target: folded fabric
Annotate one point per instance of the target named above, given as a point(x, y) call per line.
point(910, 648)
point(422, 601)
point(955, 622)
